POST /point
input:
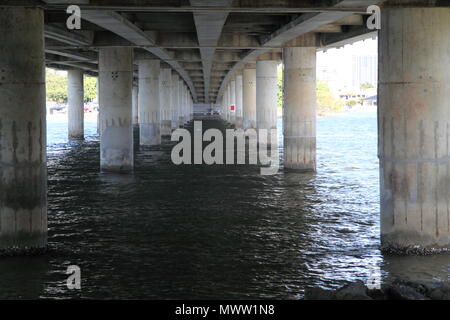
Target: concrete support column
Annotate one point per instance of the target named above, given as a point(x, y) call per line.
point(135, 105)
point(299, 109)
point(190, 110)
point(181, 119)
point(185, 111)
point(226, 98)
point(249, 98)
point(239, 101)
point(165, 98)
point(175, 101)
point(98, 111)
point(232, 101)
point(267, 96)
point(116, 86)
point(75, 88)
point(23, 170)
point(149, 104)
point(414, 128)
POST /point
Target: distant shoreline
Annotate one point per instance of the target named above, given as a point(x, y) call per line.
point(88, 116)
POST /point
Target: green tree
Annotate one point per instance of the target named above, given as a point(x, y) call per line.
point(280, 88)
point(326, 100)
point(56, 84)
point(90, 88)
point(366, 85)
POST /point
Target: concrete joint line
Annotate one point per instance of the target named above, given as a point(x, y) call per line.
point(426, 160)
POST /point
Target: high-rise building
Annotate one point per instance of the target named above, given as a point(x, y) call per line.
point(364, 70)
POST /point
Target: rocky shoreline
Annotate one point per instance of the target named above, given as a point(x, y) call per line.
point(395, 290)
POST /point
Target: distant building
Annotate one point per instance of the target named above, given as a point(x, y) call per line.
point(364, 70)
point(370, 101)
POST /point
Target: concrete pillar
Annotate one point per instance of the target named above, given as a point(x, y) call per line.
point(98, 111)
point(75, 88)
point(23, 170)
point(188, 113)
point(181, 103)
point(249, 98)
point(267, 96)
point(226, 97)
point(149, 104)
point(116, 86)
point(299, 109)
point(135, 105)
point(175, 101)
point(238, 102)
point(166, 97)
point(229, 101)
point(414, 128)
point(232, 101)
point(184, 104)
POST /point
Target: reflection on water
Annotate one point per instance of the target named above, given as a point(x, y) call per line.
point(213, 232)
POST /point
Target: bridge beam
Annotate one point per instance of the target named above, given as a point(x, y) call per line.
point(414, 129)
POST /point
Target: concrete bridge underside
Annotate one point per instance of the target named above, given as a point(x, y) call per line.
point(156, 59)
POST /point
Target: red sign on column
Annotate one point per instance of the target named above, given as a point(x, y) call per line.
point(232, 107)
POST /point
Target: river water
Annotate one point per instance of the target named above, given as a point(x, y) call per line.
point(213, 232)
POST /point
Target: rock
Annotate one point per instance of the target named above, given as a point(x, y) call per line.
point(440, 292)
point(402, 290)
point(319, 294)
point(396, 290)
point(353, 291)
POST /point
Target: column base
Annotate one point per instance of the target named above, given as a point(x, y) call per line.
point(76, 137)
point(166, 128)
point(23, 243)
point(412, 242)
point(150, 134)
point(117, 169)
point(299, 169)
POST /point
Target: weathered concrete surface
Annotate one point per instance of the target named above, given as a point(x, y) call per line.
point(299, 108)
point(149, 103)
point(75, 84)
point(267, 96)
point(239, 102)
point(232, 102)
point(249, 98)
point(166, 101)
point(135, 113)
point(23, 171)
point(181, 112)
point(116, 85)
point(175, 101)
point(226, 104)
point(414, 128)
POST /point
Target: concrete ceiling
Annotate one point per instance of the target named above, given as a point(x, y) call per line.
point(205, 41)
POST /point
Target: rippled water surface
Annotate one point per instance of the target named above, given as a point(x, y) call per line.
point(213, 232)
